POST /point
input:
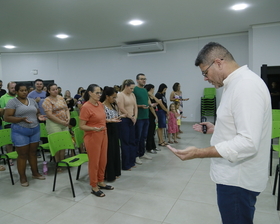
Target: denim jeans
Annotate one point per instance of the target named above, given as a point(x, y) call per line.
point(236, 204)
point(22, 136)
point(141, 132)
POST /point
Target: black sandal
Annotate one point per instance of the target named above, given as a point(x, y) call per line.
point(106, 187)
point(161, 144)
point(98, 193)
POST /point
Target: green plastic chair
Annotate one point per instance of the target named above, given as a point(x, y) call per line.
point(276, 134)
point(74, 113)
point(209, 93)
point(43, 135)
point(62, 140)
point(5, 139)
point(79, 138)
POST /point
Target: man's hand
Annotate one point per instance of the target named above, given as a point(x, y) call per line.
point(185, 154)
point(210, 127)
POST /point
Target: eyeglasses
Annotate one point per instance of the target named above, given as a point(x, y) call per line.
point(144, 79)
point(98, 93)
point(204, 73)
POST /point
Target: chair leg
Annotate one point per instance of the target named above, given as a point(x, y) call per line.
point(275, 180)
point(43, 154)
point(278, 196)
point(55, 173)
point(270, 164)
point(10, 170)
point(78, 172)
point(71, 182)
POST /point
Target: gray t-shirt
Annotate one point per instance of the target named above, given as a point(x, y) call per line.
point(22, 110)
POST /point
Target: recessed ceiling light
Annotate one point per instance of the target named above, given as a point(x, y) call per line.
point(62, 36)
point(240, 6)
point(9, 46)
point(136, 22)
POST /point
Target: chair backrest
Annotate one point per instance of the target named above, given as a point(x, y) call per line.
point(59, 141)
point(5, 137)
point(209, 93)
point(275, 115)
point(43, 131)
point(74, 113)
point(275, 129)
point(79, 136)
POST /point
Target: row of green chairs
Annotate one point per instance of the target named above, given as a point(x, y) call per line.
point(56, 142)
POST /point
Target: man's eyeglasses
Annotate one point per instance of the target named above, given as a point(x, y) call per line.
point(143, 79)
point(204, 73)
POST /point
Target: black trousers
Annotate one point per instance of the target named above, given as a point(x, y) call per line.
point(113, 167)
point(150, 142)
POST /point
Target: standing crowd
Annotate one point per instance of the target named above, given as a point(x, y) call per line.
point(119, 123)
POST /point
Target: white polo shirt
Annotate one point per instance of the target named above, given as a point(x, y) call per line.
point(242, 133)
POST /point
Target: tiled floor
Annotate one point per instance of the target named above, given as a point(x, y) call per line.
point(164, 190)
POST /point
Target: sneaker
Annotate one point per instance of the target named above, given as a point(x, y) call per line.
point(145, 156)
point(156, 149)
point(138, 161)
point(152, 151)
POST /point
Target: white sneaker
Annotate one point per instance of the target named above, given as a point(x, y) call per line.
point(138, 161)
point(145, 156)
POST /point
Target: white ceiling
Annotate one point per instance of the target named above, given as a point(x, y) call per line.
point(31, 25)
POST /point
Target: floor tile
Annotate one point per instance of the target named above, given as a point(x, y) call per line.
point(82, 214)
point(147, 206)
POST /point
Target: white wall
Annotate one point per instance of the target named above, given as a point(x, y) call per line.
point(111, 66)
point(265, 41)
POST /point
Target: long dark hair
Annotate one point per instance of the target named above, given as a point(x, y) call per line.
point(161, 87)
point(49, 88)
point(175, 86)
point(90, 88)
point(108, 91)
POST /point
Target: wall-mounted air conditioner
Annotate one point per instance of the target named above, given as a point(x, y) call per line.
point(143, 47)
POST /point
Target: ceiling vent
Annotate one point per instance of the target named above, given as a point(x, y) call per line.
point(143, 47)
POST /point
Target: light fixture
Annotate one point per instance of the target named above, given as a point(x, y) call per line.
point(62, 36)
point(9, 46)
point(241, 6)
point(136, 22)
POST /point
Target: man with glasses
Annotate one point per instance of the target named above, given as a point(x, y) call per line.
point(240, 144)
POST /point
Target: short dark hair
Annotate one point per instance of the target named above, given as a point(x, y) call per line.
point(211, 51)
point(38, 80)
point(18, 85)
point(137, 76)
